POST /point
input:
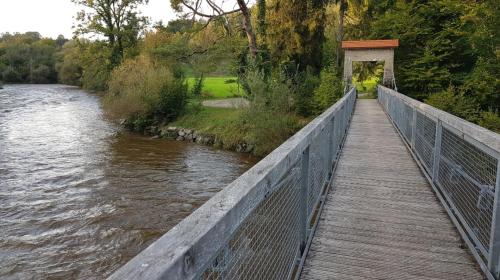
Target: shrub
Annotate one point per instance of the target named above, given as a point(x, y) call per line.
point(42, 75)
point(139, 89)
point(270, 120)
point(306, 83)
point(10, 75)
point(172, 100)
point(95, 65)
point(266, 129)
point(455, 103)
point(330, 89)
point(198, 86)
point(490, 120)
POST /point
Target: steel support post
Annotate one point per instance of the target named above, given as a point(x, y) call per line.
point(494, 249)
point(331, 143)
point(413, 128)
point(437, 150)
point(304, 194)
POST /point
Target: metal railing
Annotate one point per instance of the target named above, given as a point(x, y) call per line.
point(260, 226)
point(462, 161)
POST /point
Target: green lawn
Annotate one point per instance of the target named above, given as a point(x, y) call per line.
point(217, 87)
point(369, 85)
point(208, 119)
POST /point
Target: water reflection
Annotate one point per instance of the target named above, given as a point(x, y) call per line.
point(77, 197)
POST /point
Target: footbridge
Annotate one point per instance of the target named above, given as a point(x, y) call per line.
point(371, 189)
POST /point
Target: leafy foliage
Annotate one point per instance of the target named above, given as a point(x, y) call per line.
point(329, 90)
point(198, 86)
point(295, 33)
point(140, 90)
point(69, 65)
point(118, 21)
point(455, 103)
point(27, 58)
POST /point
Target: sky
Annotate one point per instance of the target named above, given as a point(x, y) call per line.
point(53, 17)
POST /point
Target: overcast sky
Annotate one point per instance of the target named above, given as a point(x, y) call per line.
point(54, 17)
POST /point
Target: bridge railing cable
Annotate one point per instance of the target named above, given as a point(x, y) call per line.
point(260, 226)
point(462, 161)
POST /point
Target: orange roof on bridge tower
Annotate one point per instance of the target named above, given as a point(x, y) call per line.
point(370, 44)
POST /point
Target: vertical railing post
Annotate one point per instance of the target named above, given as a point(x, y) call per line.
point(437, 150)
point(342, 120)
point(304, 194)
point(413, 127)
point(331, 143)
point(494, 248)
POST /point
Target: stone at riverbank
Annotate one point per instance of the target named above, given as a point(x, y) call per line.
point(190, 135)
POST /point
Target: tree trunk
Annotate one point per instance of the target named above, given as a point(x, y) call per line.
point(247, 25)
point(343, 6)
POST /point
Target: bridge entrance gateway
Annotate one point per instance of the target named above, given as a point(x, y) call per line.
point(370, 50)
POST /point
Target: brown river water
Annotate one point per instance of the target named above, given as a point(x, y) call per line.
point(78, 197)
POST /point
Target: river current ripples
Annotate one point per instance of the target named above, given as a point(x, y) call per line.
point(78, 197)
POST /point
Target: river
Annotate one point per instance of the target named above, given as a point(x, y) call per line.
point(79, 197)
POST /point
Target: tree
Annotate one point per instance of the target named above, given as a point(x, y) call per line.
point(295, 33)
point(69, 64)
point(217, 12)
point(117, 20)
point(27, 58)
point(343, 11)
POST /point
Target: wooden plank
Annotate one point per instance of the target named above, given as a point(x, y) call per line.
point(382, 220)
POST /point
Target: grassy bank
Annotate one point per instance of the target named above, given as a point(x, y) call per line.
point(260, 132)
point(218, 87)
point(208, 120)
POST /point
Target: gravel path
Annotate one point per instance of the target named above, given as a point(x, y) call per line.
point(227, 103)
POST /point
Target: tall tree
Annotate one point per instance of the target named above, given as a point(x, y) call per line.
point(211, 10)
point(295, 32)
point(117, 20)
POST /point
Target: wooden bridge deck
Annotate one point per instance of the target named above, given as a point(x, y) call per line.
point(382, 219)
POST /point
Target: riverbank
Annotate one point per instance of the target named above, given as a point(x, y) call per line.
point(241, 130)
point(209, 126)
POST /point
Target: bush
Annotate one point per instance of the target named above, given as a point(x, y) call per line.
point(10, 75)
point(490, 120)
point(330, 89)
point(69, 66)
point(172, 100)
point(306, 85)
point(42, 75)
point(455, 103)
point(198, 86)
point(270, 120)
point(266, 129)
point(140, 90)
point(96, 66)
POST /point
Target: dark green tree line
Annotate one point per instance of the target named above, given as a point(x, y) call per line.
point(28, 58)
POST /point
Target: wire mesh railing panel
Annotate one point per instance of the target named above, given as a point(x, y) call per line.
point(407, 115)
point(425, 133)
point(318, 169)
point(462, 161)
point(467, 175)
point(266, 244)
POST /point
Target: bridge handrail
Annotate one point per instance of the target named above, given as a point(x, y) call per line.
point(462, 161)
point(259, 224)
